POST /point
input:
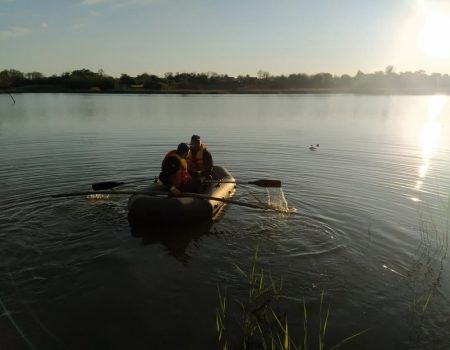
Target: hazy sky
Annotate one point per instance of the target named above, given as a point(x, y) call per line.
point(228, 37)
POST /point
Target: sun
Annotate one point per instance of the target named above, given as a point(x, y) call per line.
point(434, 38)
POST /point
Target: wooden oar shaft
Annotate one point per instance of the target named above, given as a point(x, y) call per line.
point(225, 200)
point(107, 185)
point(260, 183)
point(87, 193)
point(162, 193)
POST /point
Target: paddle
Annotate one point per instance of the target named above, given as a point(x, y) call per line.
point(100, 186)
point(260, 183)
point(161, 193)
point(107, 185)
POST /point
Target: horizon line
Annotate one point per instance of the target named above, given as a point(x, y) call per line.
point(260, 72)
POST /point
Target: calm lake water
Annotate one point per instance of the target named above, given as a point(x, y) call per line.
point(371, 229)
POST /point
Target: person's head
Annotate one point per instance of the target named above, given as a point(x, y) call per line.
point(195, 142)
point(183, 149)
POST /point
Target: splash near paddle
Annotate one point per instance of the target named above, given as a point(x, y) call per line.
point(98, 196)
point(277, 201)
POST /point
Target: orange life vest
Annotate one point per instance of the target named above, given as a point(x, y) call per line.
point(195, 162)
point(182, 176)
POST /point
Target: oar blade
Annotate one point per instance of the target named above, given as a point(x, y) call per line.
point(100, 186)
point(266, 183)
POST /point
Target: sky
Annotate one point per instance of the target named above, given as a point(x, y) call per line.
point(226, 37)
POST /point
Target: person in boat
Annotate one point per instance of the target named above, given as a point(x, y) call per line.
point(200, 162)
point(174, 172)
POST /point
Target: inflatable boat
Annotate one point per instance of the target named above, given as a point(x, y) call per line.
point(163, 210)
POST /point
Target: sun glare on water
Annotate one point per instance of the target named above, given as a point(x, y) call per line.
point(430, 137)
point(434, 38)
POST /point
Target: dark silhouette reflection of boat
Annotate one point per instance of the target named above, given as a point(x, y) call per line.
point(176, 239)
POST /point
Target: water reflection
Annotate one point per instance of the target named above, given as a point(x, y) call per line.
point(176, 240)
point(430, 135)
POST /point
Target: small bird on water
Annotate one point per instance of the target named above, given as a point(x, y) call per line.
point(312, 148)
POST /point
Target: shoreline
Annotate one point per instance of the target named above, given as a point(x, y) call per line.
point(142, 91)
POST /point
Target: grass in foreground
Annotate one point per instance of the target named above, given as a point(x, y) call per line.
point(262, 324)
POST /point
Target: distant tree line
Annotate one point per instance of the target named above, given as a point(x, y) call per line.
point(85, 80)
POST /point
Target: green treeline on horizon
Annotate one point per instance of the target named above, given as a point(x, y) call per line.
point(12, 80)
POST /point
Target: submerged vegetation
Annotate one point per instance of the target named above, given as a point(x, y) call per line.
point(263, 323)
point(382, 82)
point(428, 271)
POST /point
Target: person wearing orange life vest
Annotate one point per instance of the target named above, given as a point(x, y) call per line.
point(174, 172)
point(199, 159)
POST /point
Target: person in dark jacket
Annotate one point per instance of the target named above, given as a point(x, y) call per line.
point(174, 172)
point(200, 162)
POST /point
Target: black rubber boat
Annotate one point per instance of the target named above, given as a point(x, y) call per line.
point(146, 209)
